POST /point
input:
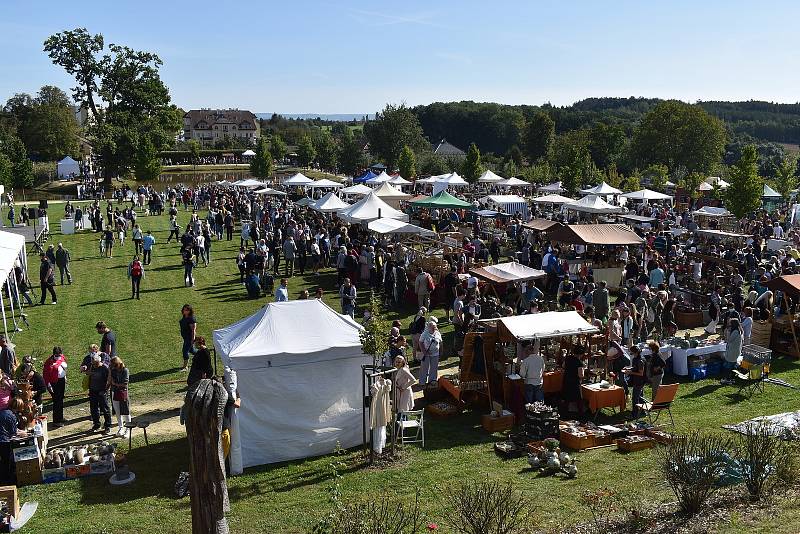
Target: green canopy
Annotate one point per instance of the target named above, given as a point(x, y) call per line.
point(442, 200)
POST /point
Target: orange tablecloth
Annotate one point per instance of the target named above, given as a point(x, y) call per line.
point(552, 381)
point(598, 398)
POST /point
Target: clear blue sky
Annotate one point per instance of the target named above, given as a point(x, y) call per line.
point(353, 57)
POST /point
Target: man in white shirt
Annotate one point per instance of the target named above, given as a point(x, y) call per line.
point(777, 231)
point(531, 370)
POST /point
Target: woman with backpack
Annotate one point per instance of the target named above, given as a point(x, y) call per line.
point(135, 275)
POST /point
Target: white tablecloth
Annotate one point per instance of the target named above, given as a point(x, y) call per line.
point(680, 357)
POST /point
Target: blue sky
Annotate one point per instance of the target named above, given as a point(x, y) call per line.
point(306, 56)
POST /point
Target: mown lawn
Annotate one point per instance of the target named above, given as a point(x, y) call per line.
point(290, 497)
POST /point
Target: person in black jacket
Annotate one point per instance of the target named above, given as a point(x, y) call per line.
point(201, 363)
point(47, 279)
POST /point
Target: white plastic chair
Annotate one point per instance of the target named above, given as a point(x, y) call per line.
point(411, 427)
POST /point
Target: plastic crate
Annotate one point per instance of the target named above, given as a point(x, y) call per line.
point(698, 373)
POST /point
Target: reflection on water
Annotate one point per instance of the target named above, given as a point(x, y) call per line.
point(186, 178)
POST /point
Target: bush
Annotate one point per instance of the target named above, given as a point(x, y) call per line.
point(766, 461)
point(386, 516)
point(692, 465)
point(488, 508)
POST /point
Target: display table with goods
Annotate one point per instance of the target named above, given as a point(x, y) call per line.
point(690, 354)
point(603, 395)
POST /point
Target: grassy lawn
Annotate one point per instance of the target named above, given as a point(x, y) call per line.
point(290, 497)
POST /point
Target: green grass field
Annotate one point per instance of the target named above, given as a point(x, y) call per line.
point(289, 497)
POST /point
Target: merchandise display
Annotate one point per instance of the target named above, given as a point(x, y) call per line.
point(551, 460)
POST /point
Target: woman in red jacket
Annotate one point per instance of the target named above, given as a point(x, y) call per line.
point(54, 373)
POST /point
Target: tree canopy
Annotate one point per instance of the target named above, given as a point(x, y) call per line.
point(394, 128)
point(539, 137)
point(472, 167)
point(45, 123)
point(306, 152)
point(746, 186)
point(407, 163)
point(261, 165)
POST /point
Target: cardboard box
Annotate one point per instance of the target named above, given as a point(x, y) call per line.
point(10, 495)
point(497, 424)
point(25, 449)
point(102, 467)
point(29, 472)
point(57, 474)
point(77, 471)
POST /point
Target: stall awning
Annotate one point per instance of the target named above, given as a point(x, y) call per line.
point(540, 225)
point(503, 273)
point(720, 233)
point(545, 325)
point(595, 234)
point(393, 226)
point(637, 218)
point(442, 200)
point(789, 284)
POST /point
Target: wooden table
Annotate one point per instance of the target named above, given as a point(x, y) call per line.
point(552, 382)
point(598, 398)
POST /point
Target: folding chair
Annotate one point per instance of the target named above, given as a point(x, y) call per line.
point(662, 402)
point(750, 380)
point(411, 427)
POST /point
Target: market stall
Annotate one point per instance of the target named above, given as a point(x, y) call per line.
point(508, 204)
point(784, 329)
point(370, 208)
point(330, 203)
point(391, 195)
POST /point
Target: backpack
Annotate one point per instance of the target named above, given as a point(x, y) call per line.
point(136, 268)
point(431, 284)
point(350, 263)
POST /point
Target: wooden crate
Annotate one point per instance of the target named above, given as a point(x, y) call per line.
point(497, 424)
point(10, 495)
point(659, 436)
point(624, 444)
point(29, 472)
point(576, 443)
point(442, 413)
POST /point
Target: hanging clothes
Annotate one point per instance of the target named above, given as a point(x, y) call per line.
point(404, 396)
point(380, 412)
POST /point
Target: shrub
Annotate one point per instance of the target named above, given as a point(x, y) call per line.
point(487, 508)
point(385, 516)
point(766, 461)
point(692, 465)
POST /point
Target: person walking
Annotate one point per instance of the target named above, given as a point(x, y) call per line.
point(229, 223)
point(188, 324)
point(137, 239)
point(135, 275)
point(189, 260)
point(423, 286)
point(120, 377)
point(62, 261)
point(531, 369)
point(347, 295)
point(47, 280)
point(289, 251)
point(99, 381)
point(148, 242)
point(108, 240)
point(173, 229)
point(54, 373)
point(108, 343)
point(430, 343)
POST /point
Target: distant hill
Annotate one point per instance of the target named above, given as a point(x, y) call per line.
point(335, 117)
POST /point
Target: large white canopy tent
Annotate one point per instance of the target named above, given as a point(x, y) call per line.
point(12, 252)
point(546, 325)
point(387, 192)
point(712, 211)
point(593, 204)
point(269, 191)
point(602, 189)
point(509, 204)
point(249, 183)
point(324, 182)
point(399, 180)
point(513, 182)
point(554, 199)
point(502, 273)
point(329, 203)
point(68, 169)
point(555, 187)
point(298, 179)
point(370, 208)
point(393, 226)
point(705, 186)
point(298, 366)
point(248, 153)
point(450, 180)
point(381, 178)
point(357, 189)
point(716, 180)
point(488, 177)
point(646, 194)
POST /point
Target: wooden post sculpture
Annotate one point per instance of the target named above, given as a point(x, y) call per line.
point(204, 407)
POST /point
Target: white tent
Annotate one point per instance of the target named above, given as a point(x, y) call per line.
point(488, 177)
point(357, 189)
point(298, 179)
point(555, 187)
point(593, 204)
point(324, 182)
point(381, 178)
point(299, 377)
point(248, 153)
point(329, 203)
point(249, 182)
point(553, 199)
point(646, 194)
point(393, 226)
point(546, 325)
point(12, 252)
point(387, 192)
point(705, 186)
point(68, 169)
point(603, 189)
point(399, 180)
point(513, 182)
point(508, 272)
point(770, 193)
point(269, 191)
point(510, 204)
point(449, 180)
point(711, 211)
point(719, 182)
point(370, 208)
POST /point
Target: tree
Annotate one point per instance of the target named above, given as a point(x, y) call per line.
point(785, 176)
point(45, 123)
point(326, 151)
point(472, 168)
point(572, 160)
point(678, 134)
point(690, 182)
point(374, 340)
point(656, 176)
point(606, 142)
point(147, 163)
point(612, 176)
point(6, 171)
point(515, 155)
point(21, 168)
point(632, 183)
point(277, 148)
point(194, 150)
point(351, 156)
point(746, 186)
point(394, 128)
point(261, 165)
point(432, 165)
point(127, 82)
point(306, 151)
point(539, 137)
point(407, 163)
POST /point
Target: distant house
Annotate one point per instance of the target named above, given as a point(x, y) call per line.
point(446, 150)
point(211, 125)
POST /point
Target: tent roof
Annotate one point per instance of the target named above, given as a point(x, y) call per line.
point(330, 202)
point(442, 199)
point(789, 284)
point(452, 179)
point(67, 160)
point(705, 186)
point(248, 152)
point(487, 213)
point(387, 191)
point(711, 211)
point(504, 199)
point(719, 182)
point(382, 177)
point(770, 193)
point(721, 233)
point(393, 226)
point(399, 180)
point(507, 272)
point(555, 187)
point(357, 189)
point(249, 182)
point(596, 234)
point(602, 189)
point(636, 218)
point(553, 199)
point(364, 177)
point(286, 329)
point(540, 225)
point(369, 208)
point(513, 182)
point(593, 204)
point(488, 177)
point(305, 201)
point(298, 179)
point(646, 194)
point(269, 191)
point(547, 324)
point(324, 182)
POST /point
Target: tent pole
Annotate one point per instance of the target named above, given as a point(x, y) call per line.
point(3, 307)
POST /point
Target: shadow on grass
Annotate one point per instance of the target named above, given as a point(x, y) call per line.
point(143, 376)
point(702, 391)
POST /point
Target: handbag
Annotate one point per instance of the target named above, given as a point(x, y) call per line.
point(121, 395)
